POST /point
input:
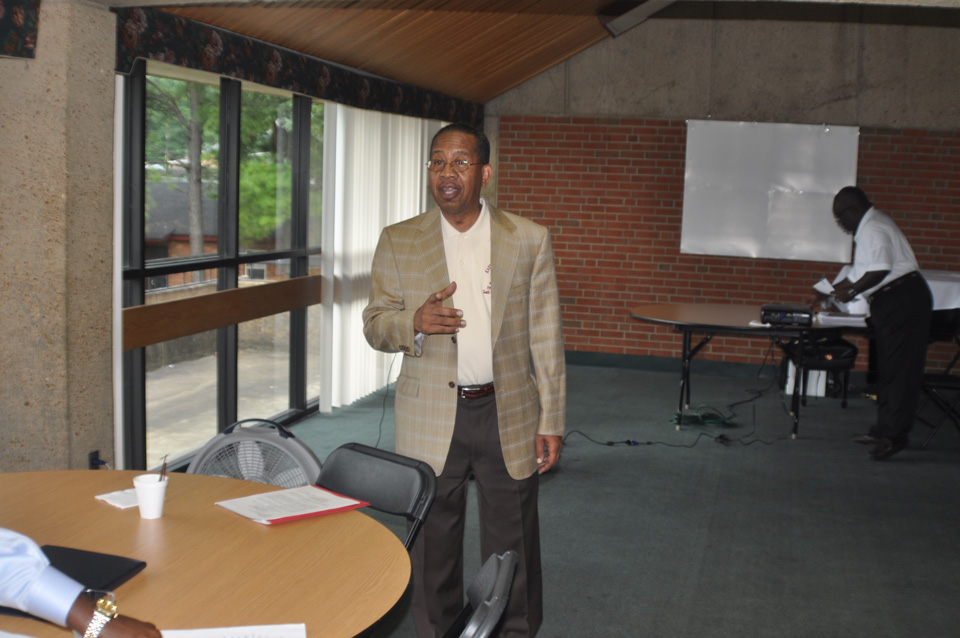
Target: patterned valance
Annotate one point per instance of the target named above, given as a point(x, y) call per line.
point(19, 21)
point(155, 35)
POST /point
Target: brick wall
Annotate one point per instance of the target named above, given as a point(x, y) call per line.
point(611, 191)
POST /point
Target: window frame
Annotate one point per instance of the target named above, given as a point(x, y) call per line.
point(135, 272)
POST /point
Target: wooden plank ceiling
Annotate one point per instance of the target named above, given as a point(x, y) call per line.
point(471, 49)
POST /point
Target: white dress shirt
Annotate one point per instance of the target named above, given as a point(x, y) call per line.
point(29, 583)
point(468, 264)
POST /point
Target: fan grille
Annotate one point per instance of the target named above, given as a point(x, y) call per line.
point(255, 461)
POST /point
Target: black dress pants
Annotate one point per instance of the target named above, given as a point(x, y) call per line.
point(508, 520)
point(900, 316)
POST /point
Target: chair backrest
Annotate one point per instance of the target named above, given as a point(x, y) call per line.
point(265, 452)
point(487, 597)
point(945, 326)
point(390, 482)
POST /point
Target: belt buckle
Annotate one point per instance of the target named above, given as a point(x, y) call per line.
point(475, 392)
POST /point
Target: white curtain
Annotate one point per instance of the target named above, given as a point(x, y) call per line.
point(374, 175)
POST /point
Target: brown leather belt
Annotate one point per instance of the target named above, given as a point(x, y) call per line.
point(475, 391)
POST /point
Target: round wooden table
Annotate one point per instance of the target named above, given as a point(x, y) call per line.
point(206, 566)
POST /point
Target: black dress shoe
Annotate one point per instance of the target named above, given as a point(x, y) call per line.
point(864, 438)
point(885, 448)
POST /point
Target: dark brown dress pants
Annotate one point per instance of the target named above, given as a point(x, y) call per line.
point(508, 520)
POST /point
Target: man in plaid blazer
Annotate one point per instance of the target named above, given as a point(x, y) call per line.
point(468, 294)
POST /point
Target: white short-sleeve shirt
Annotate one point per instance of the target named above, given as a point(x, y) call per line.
point(880, 245)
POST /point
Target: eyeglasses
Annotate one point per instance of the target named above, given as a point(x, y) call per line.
point(460, 165)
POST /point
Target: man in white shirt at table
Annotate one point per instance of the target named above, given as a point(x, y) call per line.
point(29, 583)
point(885, 271)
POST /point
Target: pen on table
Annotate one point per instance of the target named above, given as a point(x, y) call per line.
point(163, 468)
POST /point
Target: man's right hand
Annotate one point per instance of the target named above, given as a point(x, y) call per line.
point(433, 318)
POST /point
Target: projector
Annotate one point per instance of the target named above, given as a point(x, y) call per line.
point(786, 315)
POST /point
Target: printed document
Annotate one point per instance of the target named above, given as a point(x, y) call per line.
point(290, 504)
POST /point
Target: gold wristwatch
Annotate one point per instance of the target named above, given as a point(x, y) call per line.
point(104, 611)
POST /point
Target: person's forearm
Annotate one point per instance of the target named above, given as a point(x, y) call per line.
point(388, 330)
point(80, 614)
point(847, 290)
point(120, 627)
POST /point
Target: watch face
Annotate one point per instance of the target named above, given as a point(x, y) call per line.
point(107, 606)
point(97, 594)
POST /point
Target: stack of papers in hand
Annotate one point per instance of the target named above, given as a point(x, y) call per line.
point(290, 504)
point(825, 287)
point(856, 306)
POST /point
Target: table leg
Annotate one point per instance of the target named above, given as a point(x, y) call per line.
point(799, 371)
point(688, 355)
point(684, 376)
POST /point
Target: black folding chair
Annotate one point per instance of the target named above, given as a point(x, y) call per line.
point(943, 391)
point(945, 326)
point(487, 597)
point(391, 483)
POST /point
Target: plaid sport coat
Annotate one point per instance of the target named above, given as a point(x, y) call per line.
point(528, 356)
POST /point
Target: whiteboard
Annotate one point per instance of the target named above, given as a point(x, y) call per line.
point(755, 189)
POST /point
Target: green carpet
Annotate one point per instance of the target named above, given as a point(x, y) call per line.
point(728, 528)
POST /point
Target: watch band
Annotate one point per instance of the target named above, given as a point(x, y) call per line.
point(104, 611)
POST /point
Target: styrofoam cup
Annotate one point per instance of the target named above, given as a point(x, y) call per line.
point(151, 492)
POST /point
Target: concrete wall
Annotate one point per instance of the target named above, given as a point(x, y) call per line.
point(594, 149)
point(56, 225)
point(866, 66)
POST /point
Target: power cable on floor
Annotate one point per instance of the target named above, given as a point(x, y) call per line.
point(386, 395)
point(706, 416)
point(771, 354)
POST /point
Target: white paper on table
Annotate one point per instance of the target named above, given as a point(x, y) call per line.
point(290, 504)
point(841, 319)
point(252, 631)
point(122, 499)
point(842, 307)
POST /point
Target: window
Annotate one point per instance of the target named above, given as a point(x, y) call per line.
point(223, 196)
point(181, 396)
point(239, 202)
point(181, 165)
point(266, 172)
